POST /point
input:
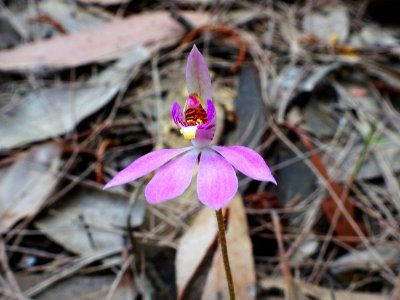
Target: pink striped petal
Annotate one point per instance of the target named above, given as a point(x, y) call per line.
point(172, 179)
point(177, 115)
point(198, 78)
point(144, 165)
point(216, 180)
point(247, 161)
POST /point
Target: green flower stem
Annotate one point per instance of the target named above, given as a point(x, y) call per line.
point(224, 251)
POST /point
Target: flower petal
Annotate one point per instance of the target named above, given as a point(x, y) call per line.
point(198, 78)
point(247, 161)
point(172, 179)
point(144, 165)
point(177, 115)
point(205, 132)
point(211, 113)
point(216, 180)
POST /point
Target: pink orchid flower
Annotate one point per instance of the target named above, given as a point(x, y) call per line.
point(217, 182)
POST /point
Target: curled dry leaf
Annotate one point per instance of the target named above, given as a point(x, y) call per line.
point(28, 183)
point(104, 42)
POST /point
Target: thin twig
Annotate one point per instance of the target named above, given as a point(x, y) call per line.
point(119, 277)
point(8, 273)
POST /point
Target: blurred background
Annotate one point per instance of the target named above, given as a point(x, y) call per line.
point(86, 87)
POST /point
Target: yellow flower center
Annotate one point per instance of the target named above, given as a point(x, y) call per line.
point(189, 132)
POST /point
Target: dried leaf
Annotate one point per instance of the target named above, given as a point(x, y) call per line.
point(307, 248)
point(27, 184)
point(250, 113)
point(241, 259)
point(196, 244)
point(105, 42)
point(367, 259)
point(396, 291)
point(87, 220)
point(193, 247)
point(80, 287)
point(28, 119)
point(319, 119)
point(375, 35)
point(104, 2)
point(60, 16)
point(295, 186)
point(9, 36)
point(297, 79)
point(331, 25)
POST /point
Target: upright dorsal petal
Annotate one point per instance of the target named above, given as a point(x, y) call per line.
point(198, 78)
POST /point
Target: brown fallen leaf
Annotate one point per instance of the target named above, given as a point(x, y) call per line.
point(241, 259)
point(28, 183)
point(154, 30)
point(193, 247)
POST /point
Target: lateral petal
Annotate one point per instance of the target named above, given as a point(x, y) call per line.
point(247, 161)
point(177, 115)
point(172, 179)
point(205, 132)
point(216, 180)
point(144, 165)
